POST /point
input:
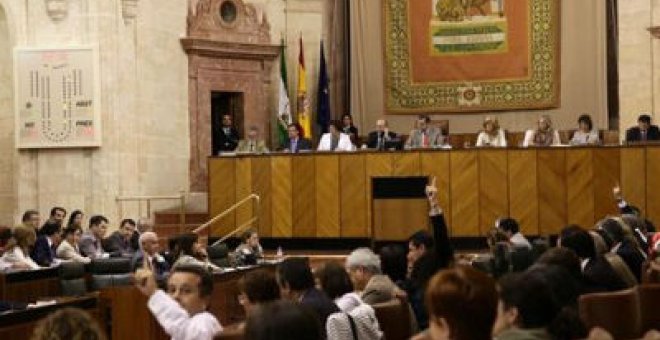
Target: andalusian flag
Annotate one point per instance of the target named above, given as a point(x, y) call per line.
point(303, 103)
point(284, 108)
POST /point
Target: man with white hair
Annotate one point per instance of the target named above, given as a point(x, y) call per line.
point(363, 267)
point(149, 252)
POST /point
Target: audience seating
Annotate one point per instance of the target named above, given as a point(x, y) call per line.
point(617, 312)
point(72, 279)
point(649, 300)
point(394, 319)
point(111, 272)
point(219, 255)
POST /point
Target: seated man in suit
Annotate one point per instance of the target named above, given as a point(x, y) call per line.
point(294, 276)
point(364, 269)
point(335, 140)
point(91, 240)
point(296, 143)
point(119, 243)
point(382, 136)
point(226, 139)
point(424, 135)
point(155, 262)
point(252, 143)
point(43, 252)
point(644, 131)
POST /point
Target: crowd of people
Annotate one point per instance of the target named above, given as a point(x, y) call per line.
point(342, 135)
point(447, 298)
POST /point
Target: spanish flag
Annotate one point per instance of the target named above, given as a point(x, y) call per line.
point(303, 102)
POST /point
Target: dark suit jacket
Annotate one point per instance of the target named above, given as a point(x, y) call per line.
point(600, 277)
point(634, 135)
point(319, 303)
point(225, 142)
point(161, 268)
point(437, 258)
point(117, 246)
point(633, 258)
point(303, 144)
point(372, 139)
point(42, 253)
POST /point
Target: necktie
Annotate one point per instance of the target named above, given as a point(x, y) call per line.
point(643, 135)
point(425, 139)
point(294, 145)
point(251, 146)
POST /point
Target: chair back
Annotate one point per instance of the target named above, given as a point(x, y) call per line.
point(219, 255)
point(617, 312)
point(394, 319)
point(72, 279)
point(111, 272)
point(649, 298)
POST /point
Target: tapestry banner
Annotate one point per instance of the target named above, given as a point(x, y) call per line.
point(448, 56)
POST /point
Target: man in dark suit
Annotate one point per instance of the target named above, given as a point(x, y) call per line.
point(227, 138)
point(119, 243)
point(296, 282)
point(43, 252)
point(382, 137)
point(644, 131)
point(149, 249)
point(295, 142)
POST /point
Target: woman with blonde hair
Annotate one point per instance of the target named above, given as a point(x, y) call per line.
point(492, 135)
point(17, 255)
point(543, 135)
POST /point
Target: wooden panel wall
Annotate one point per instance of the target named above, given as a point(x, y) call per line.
point(329, 195)
point(523, 190)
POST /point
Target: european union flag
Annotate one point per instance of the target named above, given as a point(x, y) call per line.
point(323, 98)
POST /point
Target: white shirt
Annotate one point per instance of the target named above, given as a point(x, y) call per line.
point(178, 324)
point(16, 255)
point(519, 240)
point(585, 138)
point(348, 301)
point(530, 134)
point(485, 139)
point(344, 143)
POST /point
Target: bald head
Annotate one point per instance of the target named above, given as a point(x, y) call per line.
point(149, 243)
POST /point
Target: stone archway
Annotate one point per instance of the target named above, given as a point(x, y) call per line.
point(8, 199)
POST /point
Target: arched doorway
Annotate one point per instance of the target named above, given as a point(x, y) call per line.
point(8, 199)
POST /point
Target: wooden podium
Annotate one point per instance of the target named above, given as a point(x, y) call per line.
point(399, 207)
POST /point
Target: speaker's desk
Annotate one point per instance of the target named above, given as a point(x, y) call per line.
point(329, 195)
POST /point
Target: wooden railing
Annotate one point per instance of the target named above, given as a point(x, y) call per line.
point(181, 197)
point(255, 217)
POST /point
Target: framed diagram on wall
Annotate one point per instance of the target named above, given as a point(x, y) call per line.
point(57, 95)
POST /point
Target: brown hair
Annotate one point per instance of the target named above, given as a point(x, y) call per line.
point(247, 234)
point(456, 293)
point(22, 237)
point(259, 286)
point(68, 324)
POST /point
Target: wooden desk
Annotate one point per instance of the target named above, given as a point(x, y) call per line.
point(130, 318)
point(20, 324)
point(328, 195)
point(29, 285)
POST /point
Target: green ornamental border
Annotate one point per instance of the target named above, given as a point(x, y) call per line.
point(540, 91)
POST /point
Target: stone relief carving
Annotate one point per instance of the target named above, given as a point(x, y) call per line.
point(129, 9)
point(227, 20)
point(57, 9)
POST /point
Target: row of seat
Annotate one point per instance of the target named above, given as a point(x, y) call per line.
point(626, 314)
point(103, 273)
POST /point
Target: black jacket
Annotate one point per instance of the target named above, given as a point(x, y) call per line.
point(634, 135)
point(372, 139)
point(224, 142)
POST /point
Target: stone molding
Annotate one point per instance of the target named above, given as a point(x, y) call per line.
point(57, 10)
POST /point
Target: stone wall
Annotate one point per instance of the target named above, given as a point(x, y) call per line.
point(143, 106)
point(639, 60)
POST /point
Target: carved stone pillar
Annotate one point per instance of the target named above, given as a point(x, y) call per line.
point(57, 9)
